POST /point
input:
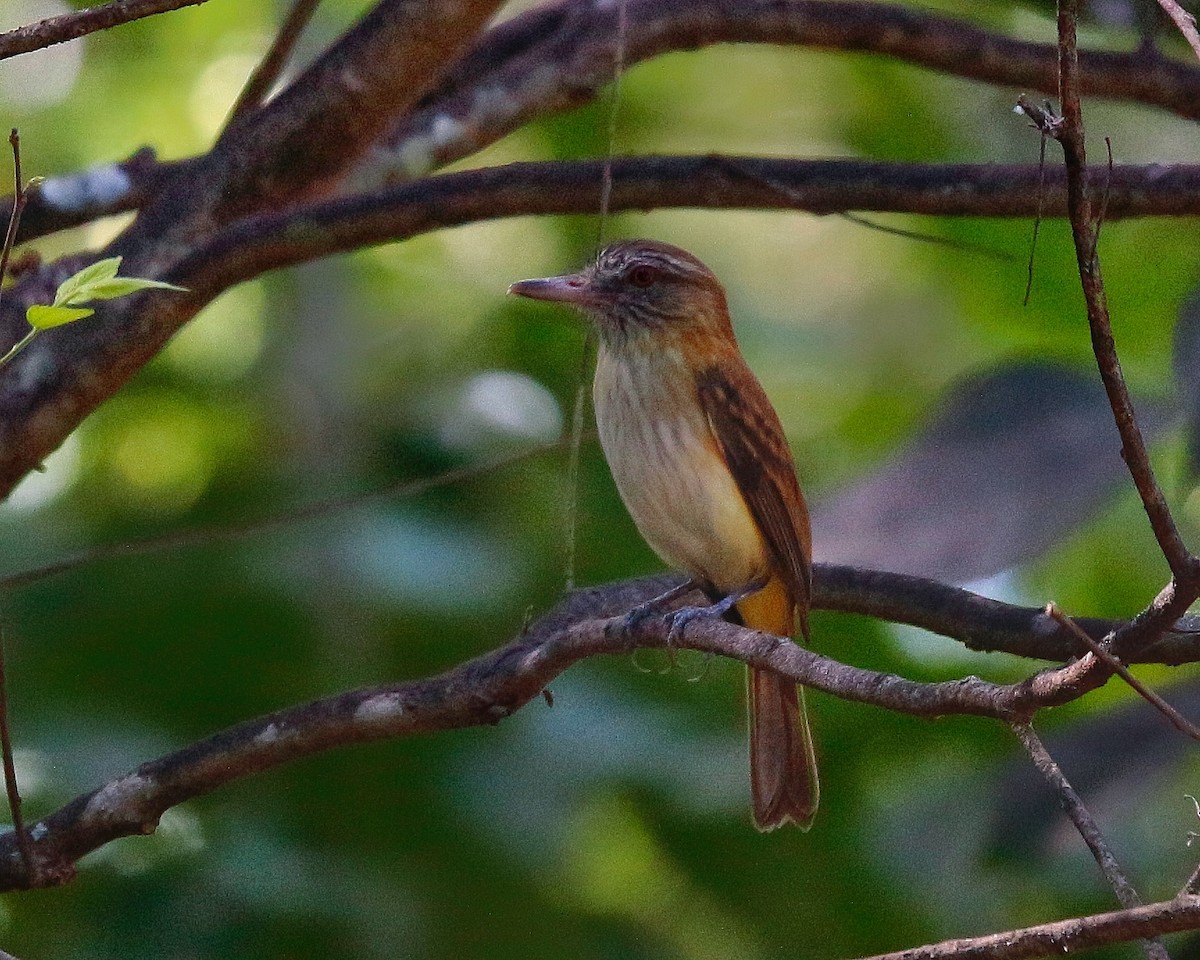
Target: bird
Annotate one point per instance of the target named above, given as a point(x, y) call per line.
point(702, 464)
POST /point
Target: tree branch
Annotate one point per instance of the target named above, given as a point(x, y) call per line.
point(1075, 809)
point(558, 56)
point(484, 691)
point(59, 203)
point(298, 144)
point(71, 26)
point(1085, 231)
point(70, 371)
point(256, 245)
point(1065, 936)
point(269, 70)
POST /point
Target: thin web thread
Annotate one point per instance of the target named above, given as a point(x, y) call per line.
point(606, 176)
point(577, 412)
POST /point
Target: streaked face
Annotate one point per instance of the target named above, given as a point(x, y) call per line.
point(637, 285)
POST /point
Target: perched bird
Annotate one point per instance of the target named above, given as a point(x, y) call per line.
point(701, 462)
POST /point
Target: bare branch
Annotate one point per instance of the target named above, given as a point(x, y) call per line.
point(71, 26)
point(1184, 21)
point(1084, 226)
point(484, 691)
point(84, 366)
point(1074, 807)
point(1065, 936)
point(559, 55)
point(641, 183)
point(263, 78)
point(1178, 720)
point(297, 145)
point(58, 203)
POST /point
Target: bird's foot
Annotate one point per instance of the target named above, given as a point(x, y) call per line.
point(681, 618)
point(643, 611)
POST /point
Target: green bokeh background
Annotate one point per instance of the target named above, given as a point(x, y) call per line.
point(615, 824)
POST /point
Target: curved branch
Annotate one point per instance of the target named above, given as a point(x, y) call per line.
point(559, 56)
point(70, 371)
point(484, 691)
point(1065, 936)
point(58, 203)
point(299, 143)
point(71, 26)
point(256, 245)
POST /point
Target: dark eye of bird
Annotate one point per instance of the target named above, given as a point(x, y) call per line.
point(642, 275)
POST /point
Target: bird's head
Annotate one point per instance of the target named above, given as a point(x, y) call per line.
point(640, 287)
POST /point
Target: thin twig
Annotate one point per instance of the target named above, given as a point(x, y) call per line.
point(1103, 211)
point(795, 196)
point(259, 85)
point(1178, 720)
point(19, 200)
point(606, 176)
point(214, 534)
point(24, 844)
point(1184, 21)
point(1064, 936)
point(1192, 886)
point(1069, 133)
point(1079, 814)
point(70, 26)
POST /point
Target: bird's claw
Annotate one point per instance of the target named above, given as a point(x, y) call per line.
point(632, 620)
point(679, 619)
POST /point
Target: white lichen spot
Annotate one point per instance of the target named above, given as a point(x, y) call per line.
point(38, 830)
point(414, 158)
point(381, 708)
point(100, 186)
point(269, 734)
point(116, 796)
point(493, 105)
point(542, 84)
point(446, 130)
point(353, 82)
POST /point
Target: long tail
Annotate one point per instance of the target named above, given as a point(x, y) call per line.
point(783, 764)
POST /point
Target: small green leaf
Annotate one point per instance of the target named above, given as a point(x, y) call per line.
point(119, 287)
point(41, 317)
point(70, 291)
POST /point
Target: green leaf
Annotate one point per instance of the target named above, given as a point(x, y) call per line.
point(119, 287)
point(41, 317)
point(71, 290)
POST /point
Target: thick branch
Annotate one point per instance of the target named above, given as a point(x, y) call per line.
point(59, 203)
point(299, 143)
point(71, 26)
point(70, 371)
point(558, 56)
point(484, 691)
point(256, 245)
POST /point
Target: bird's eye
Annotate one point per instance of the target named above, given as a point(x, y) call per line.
point(642, 276)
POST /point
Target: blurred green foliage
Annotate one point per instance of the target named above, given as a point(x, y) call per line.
point(615, 824)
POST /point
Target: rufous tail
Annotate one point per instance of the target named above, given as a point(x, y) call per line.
point(783, 765)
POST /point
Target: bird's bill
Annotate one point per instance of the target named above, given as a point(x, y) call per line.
point(572, 288)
